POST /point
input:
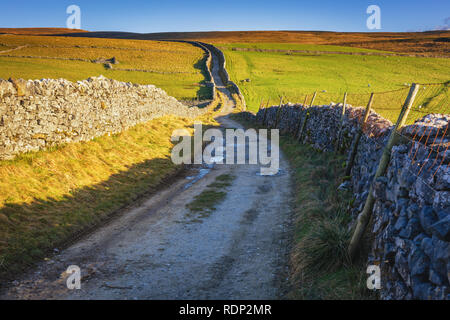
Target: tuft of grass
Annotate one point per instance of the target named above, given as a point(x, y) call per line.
point(324, 248)
point(286, 47)
point(319, 266)
point(204, 203)
point(295, 76)
point(178, 68)
point(319, 262)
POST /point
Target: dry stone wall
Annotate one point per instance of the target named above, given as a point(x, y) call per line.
point(42, 113)
point(411, 217)
point(208, 64)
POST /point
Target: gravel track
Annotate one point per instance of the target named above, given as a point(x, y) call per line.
point(156, 251)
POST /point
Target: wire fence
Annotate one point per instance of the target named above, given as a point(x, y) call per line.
point(430, 99)
point(421, 114)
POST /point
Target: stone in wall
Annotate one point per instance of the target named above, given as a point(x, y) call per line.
point(38, 114)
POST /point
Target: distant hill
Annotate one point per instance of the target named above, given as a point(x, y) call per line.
point(430, 43)
point(39, 31)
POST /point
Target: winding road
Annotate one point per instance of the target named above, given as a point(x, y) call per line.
point(155, 250)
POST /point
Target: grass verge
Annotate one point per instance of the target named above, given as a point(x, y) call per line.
point(204, 203)
point(320, 268)
point(265, 76)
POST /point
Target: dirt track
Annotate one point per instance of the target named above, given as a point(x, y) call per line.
point(156, 251)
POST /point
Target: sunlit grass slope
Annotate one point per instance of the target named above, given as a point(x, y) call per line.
point(48, 196)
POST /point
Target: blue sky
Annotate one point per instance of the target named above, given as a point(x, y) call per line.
point(185, 15)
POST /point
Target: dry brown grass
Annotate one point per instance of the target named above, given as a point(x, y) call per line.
point(430, 43)
point(39, 31)
point(178, 68)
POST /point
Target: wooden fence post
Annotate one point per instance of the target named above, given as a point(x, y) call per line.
point(300, 122)
point(265, 111)
point(261, 104)
point(313, 98)
point(278, 112)
point(354, 149)
point(305, 118)
point(364, 216)
point(339, 136)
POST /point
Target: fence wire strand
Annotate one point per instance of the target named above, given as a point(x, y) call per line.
point(427, 149)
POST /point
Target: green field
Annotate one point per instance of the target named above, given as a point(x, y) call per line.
point(296, 75)
point(295, 46)
point(177, 68)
